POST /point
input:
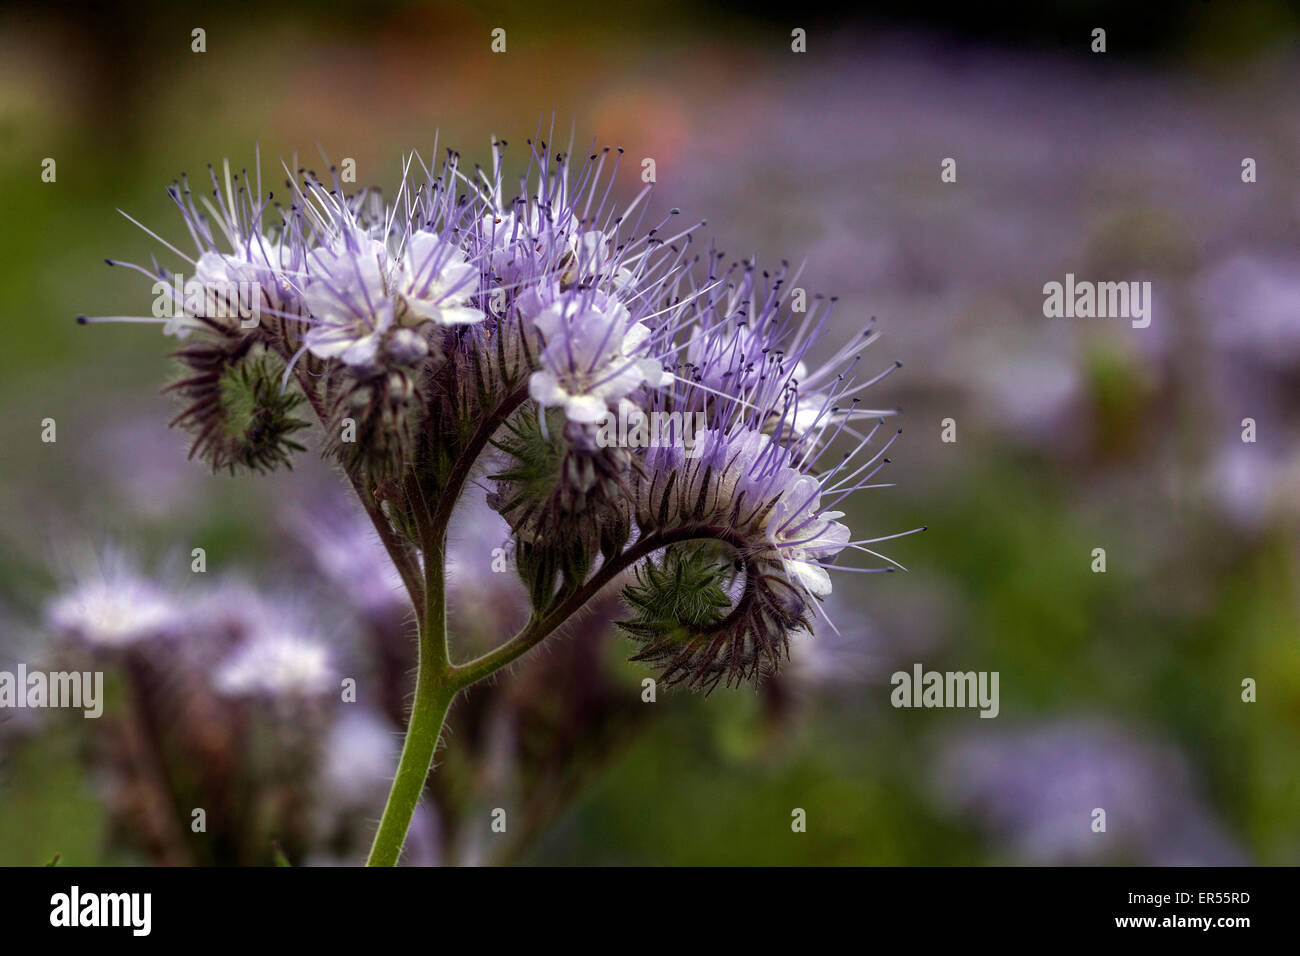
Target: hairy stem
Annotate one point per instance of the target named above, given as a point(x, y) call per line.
point(434, 693)
point(435, 687)
point(438, 681)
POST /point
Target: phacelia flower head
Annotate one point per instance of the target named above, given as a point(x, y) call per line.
point(367, 278)
point(593, 355)
point(276, 663)
point(762, 481)
point(474, 315)
point(244, 272)
point(347, 298)
point(112, 606)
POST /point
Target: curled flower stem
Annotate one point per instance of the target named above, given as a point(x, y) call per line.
point(543, 624)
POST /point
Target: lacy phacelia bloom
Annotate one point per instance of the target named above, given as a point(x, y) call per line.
point(593, 355)
point(113, 607)
point(755, 481)
point(796, 529)
point(556, 231)
point(245, 270)
point(438, 283)
point(358, 291)
point(468, 319)
point(276, 664)
point(742, 490)
point(347, 297)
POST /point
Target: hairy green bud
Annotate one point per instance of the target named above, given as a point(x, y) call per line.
point(236, 410)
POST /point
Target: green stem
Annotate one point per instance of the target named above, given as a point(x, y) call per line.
point(434, 692)
point(438, 681)
point(435, 682)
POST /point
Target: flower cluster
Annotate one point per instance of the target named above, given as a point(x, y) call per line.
point(469, 319)
point(222, 699)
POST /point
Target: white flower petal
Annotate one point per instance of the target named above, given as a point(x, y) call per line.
point(545, 389)
point(212, 267)
point(585, 409)
point(458, 315)
point(362, 351)
point(635, 337)
point(326, 342)
point(812, 576)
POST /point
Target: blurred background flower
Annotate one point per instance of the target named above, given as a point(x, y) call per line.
point(1036, 791)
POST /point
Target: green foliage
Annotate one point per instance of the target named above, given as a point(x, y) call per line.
point(679, 595)
point(259, 418)
point(238, 413)
point(534, 460)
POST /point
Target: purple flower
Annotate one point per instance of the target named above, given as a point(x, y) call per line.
point(593, 356)
point(276, 663)
point(112, 605)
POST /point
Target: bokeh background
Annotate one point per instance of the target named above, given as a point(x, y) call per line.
point(1120, 690)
